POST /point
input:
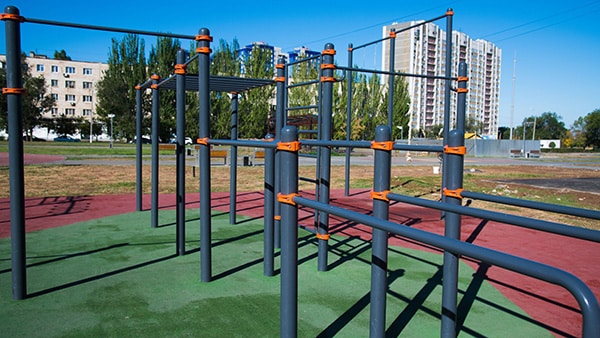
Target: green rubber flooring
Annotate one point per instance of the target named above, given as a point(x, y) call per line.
point(117, 277)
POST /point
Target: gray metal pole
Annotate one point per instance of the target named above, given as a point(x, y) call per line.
point(138, 148)
point(203, 49)
point(447, 93)
point(379, 259)
point(14, 91)
point(155, 141)
point(180, 153)
point(461, 97)
point(233, 161)
point(327, 80)
point(289, 237)
point(349, 85)
point(279, 123)
point(391, 78)
point(269, 201)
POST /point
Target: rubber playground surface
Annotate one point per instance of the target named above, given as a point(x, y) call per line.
point(95, 267)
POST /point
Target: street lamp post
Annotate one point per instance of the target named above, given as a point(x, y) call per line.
point(91, 125)
point(111, 116)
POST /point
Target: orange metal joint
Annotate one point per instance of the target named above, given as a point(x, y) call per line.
point(350, 49)
point(280, 66)
point(328, 66)
point(324, 237)
point(180, 69)
point(288, 146)
point(392, 34)
point(380, 195)
point(154, 86)
point(287, 199)
point(204, 38)
point(385, 145)
point(460, 150)
point(462, 90)
point(453, 193)
point(328, 52)
point(277, 218)
point(202, 140)
point(449, 12)
point(280, 79)
point(462, 79)
point(13, 17)
point(138, 87)
point(203, 50)
point(327, 79)
point(155, 77)
point(17, 91)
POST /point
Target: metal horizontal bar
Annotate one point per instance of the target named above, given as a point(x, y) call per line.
point(245, 143)
point(530, 223)
point(559, 209)
point(340, 143)
point(384, 72)
point(108, 29)
point(314, 106)
point(582, 293)
point(300, 84)
point(303, 60)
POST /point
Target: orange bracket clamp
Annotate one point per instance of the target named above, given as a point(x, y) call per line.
point(384, 145)
point(462, 90)
point(288, 146)
point(324, 237)
point(328, 79)
point(16, 91)
point(9, 16)
point(328, 52)
point(203, 50)
point(380, 195)
point(287, 199)
point(280, 79)
point(180, 68)
point(204, 38)
point(460, 150)
point(202, 140)
point(453, 192)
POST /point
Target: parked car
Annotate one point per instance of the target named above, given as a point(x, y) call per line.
point(66, 138)
point(187, 141)
point(145, 140)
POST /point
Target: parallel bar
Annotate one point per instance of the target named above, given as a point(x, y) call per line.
point(280, 114)
point(392, 59)
point(269, 201)
point(302, 107)
point(559, 209)
point(348, 119)
point(582, 293)
point(385, 72)
point(138, 148)
point(15, 156)
point(301, 84)
point(233, 160)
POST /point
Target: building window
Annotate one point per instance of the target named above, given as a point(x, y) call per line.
point(54, 69)
point(69, 84)
point(87, 85)
point(87, 112)
point(87, 71)
point(70, 70)
point(55, 97)
point(39, 68)
point(87, 98)
point(54, 111)
point(70, 111)
point(54, 83)
point(70, 97)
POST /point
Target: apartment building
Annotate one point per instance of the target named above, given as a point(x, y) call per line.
point(71, 83)
point(422, 50)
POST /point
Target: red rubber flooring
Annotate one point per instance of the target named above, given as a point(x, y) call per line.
point(550, 306)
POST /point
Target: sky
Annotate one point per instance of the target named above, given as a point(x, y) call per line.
point(556, 44)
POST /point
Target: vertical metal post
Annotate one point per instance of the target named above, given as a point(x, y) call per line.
point(279, 123)
point(391, 78)
point(138, 148)
point(349, 85)
point(379, 259)
point(269, 199)
point(14, 91)
point(461, 97)
point(447, 93)
point(180, 153)
point(233, 162)
point(203, 49)
point(155, 141)
point(327, 80)
point(289, 238)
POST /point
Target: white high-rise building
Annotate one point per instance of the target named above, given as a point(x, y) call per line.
point(422, 50)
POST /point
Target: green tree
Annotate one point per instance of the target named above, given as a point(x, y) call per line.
point(401, 105)
point(224, 63)
point(254, 104)
point(64, 125)
point(591, 129)
point(61, 55)
point(549, 126)
point(161, 62)
point(116, 89)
